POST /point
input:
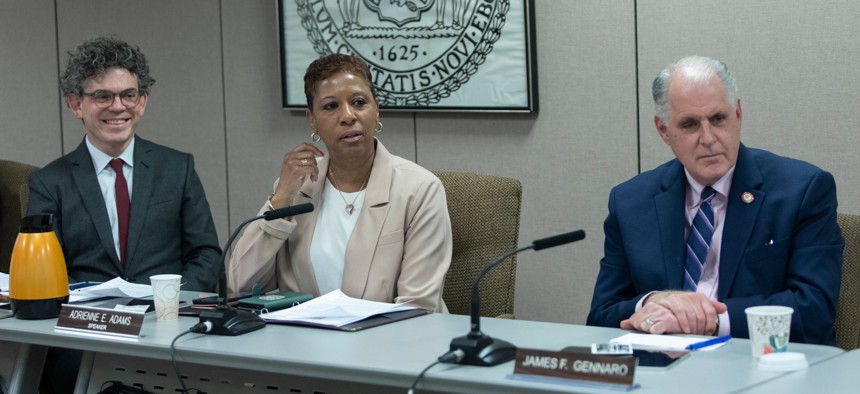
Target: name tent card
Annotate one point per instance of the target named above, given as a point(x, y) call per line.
point(109, 323)
point(578, 366)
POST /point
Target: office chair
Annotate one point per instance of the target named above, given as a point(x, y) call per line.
point(848, 309)
point(485, 222)
point(13, 205)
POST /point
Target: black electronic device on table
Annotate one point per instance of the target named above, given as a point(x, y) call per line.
point(648, 358)
point(213, 300)
point(113, 302)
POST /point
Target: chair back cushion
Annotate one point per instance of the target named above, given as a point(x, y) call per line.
point(13, 176)
point(485, 222)
point(848, 309)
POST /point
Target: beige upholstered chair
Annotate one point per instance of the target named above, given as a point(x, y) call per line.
point(485, 220)
point(848, 309)
point(13, 205)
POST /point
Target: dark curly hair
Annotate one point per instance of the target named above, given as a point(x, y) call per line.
point(329, 65)
point(97, 55)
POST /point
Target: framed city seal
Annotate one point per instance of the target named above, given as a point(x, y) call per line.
point(424, 55)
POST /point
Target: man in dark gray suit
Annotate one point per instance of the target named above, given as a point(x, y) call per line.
point(123, 206)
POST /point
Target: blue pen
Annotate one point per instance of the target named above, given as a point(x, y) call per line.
point(709, 342)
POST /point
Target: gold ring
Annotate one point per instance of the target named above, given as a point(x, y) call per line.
point(304, 162)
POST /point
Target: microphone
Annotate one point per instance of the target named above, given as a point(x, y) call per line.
point(281, 213)
point(558, 240)
point(224, 320)
point(481, 349)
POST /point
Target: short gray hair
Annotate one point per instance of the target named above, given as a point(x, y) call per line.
point(698, 68)
point(96, 56)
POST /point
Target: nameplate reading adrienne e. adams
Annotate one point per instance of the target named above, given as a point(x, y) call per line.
point(577, 366)
point(100, 321)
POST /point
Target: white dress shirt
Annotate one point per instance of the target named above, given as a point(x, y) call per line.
point(106, 178)
point(331, 234)
point(709, 282)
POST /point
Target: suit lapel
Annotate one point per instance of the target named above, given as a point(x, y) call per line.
point(671, 224)
point(740, 218)
point(142, 189)
point(85, 178)
point(365, 237)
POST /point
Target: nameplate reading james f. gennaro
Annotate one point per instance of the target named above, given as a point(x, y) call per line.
point(100, 321)
point(578, 366)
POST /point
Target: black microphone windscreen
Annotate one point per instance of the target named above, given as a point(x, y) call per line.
point(292, 210)
point(557, 240)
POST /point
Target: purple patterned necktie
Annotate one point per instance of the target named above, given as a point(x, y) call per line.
point(699, 240)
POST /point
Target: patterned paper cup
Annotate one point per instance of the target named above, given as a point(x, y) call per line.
point(769, 328)
point(165, 291)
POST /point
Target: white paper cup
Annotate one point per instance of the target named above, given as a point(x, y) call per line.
point(769, 328)
point(165, 292)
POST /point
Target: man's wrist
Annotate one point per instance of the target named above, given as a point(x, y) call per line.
point(648, 297)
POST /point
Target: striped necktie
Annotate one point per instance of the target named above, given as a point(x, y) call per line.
point(699, 240)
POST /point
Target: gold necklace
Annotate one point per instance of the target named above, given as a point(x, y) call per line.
point(350, 206)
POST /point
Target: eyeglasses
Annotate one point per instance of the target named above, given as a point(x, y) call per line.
point(104, 98)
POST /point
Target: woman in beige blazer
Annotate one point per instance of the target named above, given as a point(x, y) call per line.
point(380, 229)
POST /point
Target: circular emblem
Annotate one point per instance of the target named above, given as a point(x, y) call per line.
point(419, 51)
point(747, 197)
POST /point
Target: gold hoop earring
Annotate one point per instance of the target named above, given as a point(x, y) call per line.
point(315, 137)
point(378, 128)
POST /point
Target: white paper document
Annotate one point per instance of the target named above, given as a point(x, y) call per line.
point(4, 289)
point(333, 309)
point(113, 288)
point(673, 342)
point(4, 283)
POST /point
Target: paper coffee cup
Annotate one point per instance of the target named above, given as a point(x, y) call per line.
point(165, 292)
point(769, 328)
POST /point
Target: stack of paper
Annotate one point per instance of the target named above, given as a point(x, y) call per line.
point(4, 289)
point(113, 288)
point(650, 341)
point(334, 309)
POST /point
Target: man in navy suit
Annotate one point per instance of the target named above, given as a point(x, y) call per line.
point(168, 228)
point(772, 226)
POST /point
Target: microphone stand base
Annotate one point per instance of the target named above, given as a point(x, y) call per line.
point(483, 350)
point(231, 321)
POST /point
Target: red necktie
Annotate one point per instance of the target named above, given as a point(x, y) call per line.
point(122, 207)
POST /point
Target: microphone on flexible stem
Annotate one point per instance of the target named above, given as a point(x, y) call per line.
point(481, 349)
point(224, 320)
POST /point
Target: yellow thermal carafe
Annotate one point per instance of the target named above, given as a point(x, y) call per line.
point(38, 282)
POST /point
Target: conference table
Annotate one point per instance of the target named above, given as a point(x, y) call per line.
point(383, 359)
point(833, 375)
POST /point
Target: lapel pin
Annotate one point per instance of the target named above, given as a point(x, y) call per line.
point(747, 197)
